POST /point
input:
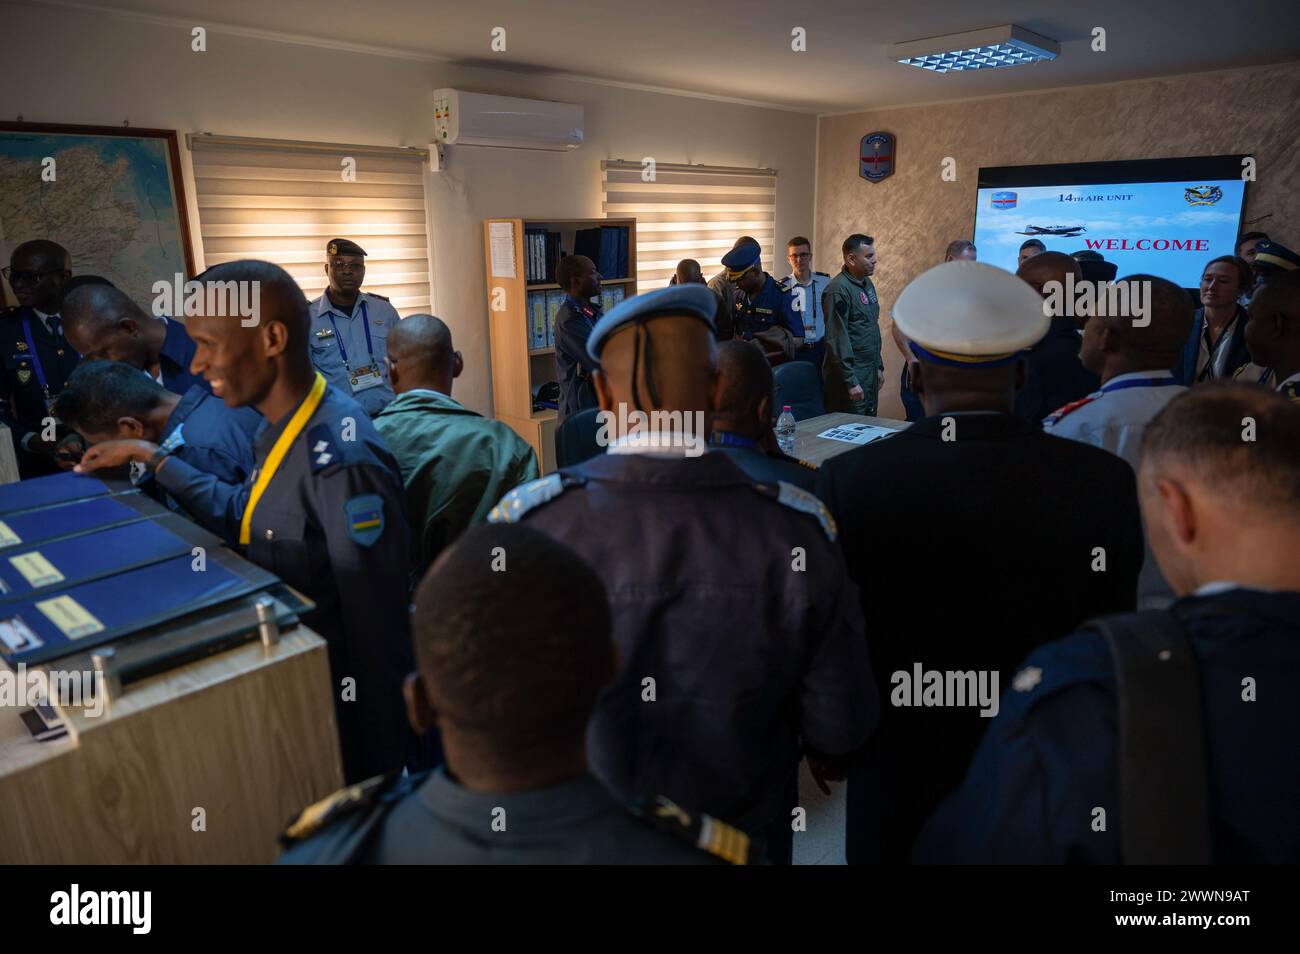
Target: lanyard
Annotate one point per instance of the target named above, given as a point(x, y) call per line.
point(278, 451)
point(36, 358)
point(1137, 383)
point(338, 338)
point(1210, 371)
point(811, 287)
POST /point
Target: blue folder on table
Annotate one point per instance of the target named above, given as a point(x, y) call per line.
point(44, 491)
point(30, 527)
point(48, 625)
point(60, 564)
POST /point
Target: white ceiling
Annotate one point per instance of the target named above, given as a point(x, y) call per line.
point(741, 48)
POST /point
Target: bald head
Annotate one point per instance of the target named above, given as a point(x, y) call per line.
point(105, 324)
point(420, 355)
point(1048, 267)
point(50, 254)
point(1150, 329)
point(688, 272)
point(745, 388)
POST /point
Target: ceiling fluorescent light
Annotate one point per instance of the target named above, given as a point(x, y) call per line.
point(1008, 45)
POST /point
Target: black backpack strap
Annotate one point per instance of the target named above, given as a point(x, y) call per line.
point(1163, 781)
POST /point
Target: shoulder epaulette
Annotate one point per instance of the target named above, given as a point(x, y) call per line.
point(703, 831)
point(1060, 412)
point(327, 450)
point(531, 495)
point(345, 801)
point(796, 498)
point(380, 297)
point(822, 274)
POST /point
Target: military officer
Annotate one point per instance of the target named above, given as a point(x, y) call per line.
point(104, 324)
point(761, 303)
point(806, 288)
point(349, 329)
point(37, 357)
point(724, 322)
point(853, 367)
point(1273, 333)
point(112, 400)
point(1047, 783)
point(1132, 361)
point(323, 510)
point(699, 712)
point(509, 678)
point(976, 498)
point(578, 278)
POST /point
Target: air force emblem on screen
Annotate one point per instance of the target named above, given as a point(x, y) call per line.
point(1203, 195)
point(1003, 200)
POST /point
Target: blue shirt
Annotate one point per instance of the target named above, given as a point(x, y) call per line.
point(771, 306)
point(175, 358)
point(1049, 757)
point(350, 331)
point(215, 439)
point(807, 301)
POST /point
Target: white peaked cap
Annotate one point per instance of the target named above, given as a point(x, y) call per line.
point(970, 313)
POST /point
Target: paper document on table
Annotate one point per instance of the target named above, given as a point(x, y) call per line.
point(857, 433)
point(501, 244)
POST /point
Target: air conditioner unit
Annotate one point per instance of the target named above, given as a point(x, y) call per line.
point(461, 118)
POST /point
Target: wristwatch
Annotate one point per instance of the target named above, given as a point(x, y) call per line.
point(151, 465)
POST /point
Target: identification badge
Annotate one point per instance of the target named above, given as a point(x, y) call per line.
point(36, 570)
point(364, 378)
point(70, 616)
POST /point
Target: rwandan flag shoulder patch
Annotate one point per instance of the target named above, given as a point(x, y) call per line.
point(365, 516)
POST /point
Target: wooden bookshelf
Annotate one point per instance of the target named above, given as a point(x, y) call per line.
point(517, 366)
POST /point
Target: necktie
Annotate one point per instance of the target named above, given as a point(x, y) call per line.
point(55, 326)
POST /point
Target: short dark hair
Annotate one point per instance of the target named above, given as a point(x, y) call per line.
point(518, 655)
point(956, 248)
point(854, 240)
point(77, 281)
point(1203, 430)
point(100, 392)
point(566, 270)
point(1246, 237)
point(797, 241)
point(745, 379)
point(1245, 274)
point(1087, 255)
point(1033, 243)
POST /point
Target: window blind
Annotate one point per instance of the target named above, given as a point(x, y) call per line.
point(691, 212)
point(282, 202)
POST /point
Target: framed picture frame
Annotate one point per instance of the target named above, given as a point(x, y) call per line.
point(113, 196)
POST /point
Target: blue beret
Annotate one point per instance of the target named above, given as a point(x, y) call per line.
point(742, 258)
point(694, 301)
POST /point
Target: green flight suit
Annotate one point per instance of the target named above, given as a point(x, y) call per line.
point(455, 465)
point(852, 357)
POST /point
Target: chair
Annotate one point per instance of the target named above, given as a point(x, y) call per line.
point(799, 384)
point(575, 439)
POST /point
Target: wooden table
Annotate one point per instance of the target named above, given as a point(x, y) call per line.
point(812, 450)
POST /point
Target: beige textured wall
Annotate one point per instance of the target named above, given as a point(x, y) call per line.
point(914, 214)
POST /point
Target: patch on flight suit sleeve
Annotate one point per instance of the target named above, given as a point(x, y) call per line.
point(703, 831)
point(365, 514)
point(799, 499)
point(531, 495)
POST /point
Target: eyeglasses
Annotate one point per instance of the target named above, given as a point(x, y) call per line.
point(800, 255)
point(23, 276)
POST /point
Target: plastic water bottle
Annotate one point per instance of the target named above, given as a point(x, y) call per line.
point(785, 431)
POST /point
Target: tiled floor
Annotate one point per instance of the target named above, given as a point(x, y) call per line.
point(823, 842)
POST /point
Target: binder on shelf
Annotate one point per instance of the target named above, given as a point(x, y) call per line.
point(536, 319)
point(554, 299)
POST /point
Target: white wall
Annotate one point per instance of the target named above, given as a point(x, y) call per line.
point(74, 66)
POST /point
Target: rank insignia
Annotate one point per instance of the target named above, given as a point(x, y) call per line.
point(365, 515)
point(24, 376)
point(21, 345)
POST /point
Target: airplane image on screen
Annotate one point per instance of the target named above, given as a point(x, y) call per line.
point(1067, 231)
